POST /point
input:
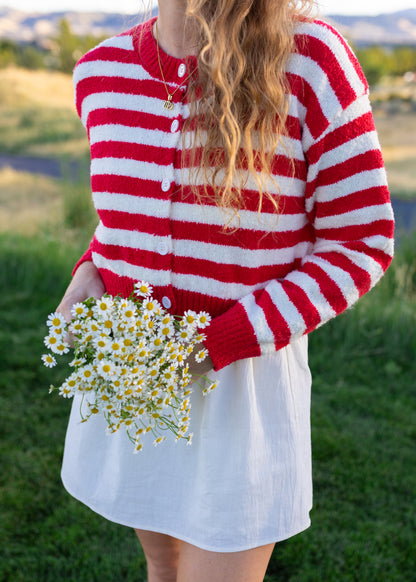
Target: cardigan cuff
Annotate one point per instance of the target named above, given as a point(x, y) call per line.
point(87, 256)
point(230, 337)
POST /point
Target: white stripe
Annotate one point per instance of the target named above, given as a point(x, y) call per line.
point(154, 137)
point(367, 263)
point(359, 145)
point(128, 167)
point(122, 41)
point(132, 204)
point(297, 65)
point(186, 212)
point(248, 219)
point(289, 186)
point(250, 258)
point(362, 181)
point(340, 277)
point(131, 239)
point(123, 133)
point(382, 243)
point(255, 314)
point(313, 292)
point(123, 269)
point(335, 45)
point(211, 287)
point(125, 101)
point(362, 216)
point(286, 308)
point(98, 68)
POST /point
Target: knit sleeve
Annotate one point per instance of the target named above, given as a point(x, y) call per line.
point(347, 204)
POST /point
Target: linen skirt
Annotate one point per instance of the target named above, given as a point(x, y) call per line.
point(245, 480)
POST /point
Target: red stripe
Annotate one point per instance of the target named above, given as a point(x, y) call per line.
point(242, 238)
point(274, 318)
point(215, 234)
point(351, 56)
point(117, 184)
point(109, 53)
point(355, 201)
point(303, 304)
point(135, 222)
point(126, 117)
point(329, 289)
point(326, 60)
point(226, 273)
point(315, 118)
point(356, 232)
point(361, 278)
point(145, 259)
point(370, 160)
point(133, 151)
point(341, 135)
point(382, 258)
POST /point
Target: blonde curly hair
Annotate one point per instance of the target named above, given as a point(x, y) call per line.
point(240, 94)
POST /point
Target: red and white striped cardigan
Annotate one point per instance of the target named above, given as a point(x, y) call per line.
point(271, 280)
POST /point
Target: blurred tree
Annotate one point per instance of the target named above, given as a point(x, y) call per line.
point(29, 57)
point(375, 61)
point(70, 47)
point(403, 60)
point(67, 47)
point(8, 53)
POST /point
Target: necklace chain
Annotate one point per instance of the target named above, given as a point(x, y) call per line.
point(168, 104)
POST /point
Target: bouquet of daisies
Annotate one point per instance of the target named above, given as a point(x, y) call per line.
point(130, 362)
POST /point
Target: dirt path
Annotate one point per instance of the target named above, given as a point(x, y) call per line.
point(46, 166)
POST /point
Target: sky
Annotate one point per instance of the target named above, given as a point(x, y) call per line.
point(132, 6)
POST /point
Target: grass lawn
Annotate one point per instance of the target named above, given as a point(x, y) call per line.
point(364, 429)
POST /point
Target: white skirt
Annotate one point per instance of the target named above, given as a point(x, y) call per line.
point(245, 481)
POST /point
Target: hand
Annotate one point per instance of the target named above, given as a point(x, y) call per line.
point(86, 283)
point(200, 368)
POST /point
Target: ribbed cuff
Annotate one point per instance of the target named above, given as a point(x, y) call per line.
point(230, 337)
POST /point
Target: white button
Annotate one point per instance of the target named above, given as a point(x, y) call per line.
point(165, 184)
point(174, 126)
point(166, 302)
point(181, 70)
point(162, 248)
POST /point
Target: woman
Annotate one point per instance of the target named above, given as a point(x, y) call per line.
point(235, 166)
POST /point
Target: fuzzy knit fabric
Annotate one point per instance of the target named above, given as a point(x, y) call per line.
point(272, 279)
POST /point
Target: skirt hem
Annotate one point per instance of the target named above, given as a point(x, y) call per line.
point(200, 544)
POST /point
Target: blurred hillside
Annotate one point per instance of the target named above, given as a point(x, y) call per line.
point(396, 28)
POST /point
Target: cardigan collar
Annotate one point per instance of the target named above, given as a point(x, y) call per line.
point(146, 49)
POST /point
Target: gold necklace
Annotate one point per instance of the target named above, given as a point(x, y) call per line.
point(168, 104)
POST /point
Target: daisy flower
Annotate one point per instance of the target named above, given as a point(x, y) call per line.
point(203, 319)
point(104, 305)
point(56, 320)
point(48, 361)
point(201, 355)
point(102, 342)
point(151, 306)
point(79, 310)
point(106, 368)
point(190, 317)
point(143, 289)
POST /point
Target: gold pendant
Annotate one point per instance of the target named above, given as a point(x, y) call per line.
point(168, 104)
